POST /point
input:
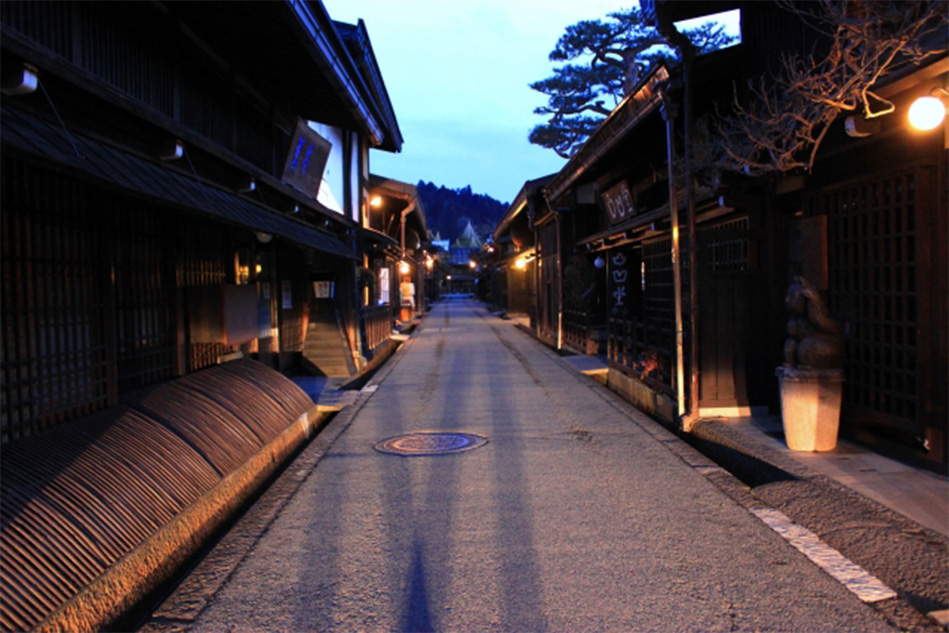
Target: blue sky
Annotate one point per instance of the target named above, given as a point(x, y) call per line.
point(457, 72)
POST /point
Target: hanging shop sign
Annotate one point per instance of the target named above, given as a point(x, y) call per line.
point(306, 159)
point(323, 289)
point(618, 202)
point(619, 279)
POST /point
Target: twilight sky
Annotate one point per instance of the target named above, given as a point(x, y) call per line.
point(457, 72)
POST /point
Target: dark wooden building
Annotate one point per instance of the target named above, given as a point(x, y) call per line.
point(693, 332)
point(175, 179)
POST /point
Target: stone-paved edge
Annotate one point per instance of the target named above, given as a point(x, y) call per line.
point(908, 557)
point(186, 602)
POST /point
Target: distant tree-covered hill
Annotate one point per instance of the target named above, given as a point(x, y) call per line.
point(448, 211)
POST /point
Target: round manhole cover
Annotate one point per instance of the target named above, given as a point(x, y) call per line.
point(430, 443)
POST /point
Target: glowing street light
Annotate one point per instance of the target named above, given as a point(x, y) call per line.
point(404, 267)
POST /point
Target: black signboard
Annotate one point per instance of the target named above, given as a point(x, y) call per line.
point(306, 159)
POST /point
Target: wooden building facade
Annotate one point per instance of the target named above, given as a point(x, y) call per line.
point(699, 332)
point(181, 182)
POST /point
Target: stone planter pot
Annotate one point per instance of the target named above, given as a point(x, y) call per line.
point(810, 407)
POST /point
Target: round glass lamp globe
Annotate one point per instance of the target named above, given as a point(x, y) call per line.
point(926, 113)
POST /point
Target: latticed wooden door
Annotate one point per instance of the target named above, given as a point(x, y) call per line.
point(880, 266)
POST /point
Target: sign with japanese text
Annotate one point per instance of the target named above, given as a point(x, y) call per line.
point(306, 159)
point(619, 278)
point(618, 202)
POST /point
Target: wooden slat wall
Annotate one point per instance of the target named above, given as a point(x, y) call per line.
point(136, 49)
point(202, 256)
point(143, 300)
point(89, 295)
point(54, 350)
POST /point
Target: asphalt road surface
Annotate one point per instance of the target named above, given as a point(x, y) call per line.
point(572, 517)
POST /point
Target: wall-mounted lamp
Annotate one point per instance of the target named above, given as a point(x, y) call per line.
point(22, 82)
point(928, 111)
point(296, 209)
point(429, 263)
point(599, 262)
point(858, 127)
point(375, 202)
point(247, 186)
point(520, 263)
point(472, 264)
point(264, 238)
point(404, 267)
point(172, 152)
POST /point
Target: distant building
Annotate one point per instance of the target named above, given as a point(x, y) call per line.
point(467, 242)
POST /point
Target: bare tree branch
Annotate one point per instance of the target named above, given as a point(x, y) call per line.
point(781, 125)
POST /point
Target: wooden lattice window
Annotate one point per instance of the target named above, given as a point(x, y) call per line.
point(726, 246)
point(143, 319)
point(873, 292)
point(650, 326)
point(54, 351)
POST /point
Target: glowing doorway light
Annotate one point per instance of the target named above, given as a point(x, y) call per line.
point(927, 113)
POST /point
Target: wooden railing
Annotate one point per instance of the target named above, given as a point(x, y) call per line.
point(631, 343)
point(576, 328)
point(377, 325)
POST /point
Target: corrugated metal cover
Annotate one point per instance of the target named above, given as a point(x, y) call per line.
point(78, 497)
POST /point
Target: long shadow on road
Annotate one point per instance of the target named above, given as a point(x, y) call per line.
point(522, 596)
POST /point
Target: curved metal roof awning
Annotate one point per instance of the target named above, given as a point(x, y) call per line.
point(98, 161)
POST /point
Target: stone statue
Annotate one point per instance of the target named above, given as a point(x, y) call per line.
point(813, 337)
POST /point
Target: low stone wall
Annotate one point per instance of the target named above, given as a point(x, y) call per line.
point(645, 399)
point(97, 513)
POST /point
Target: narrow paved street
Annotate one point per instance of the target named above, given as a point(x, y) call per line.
point(571, 518)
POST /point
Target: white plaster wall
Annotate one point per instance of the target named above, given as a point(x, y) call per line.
point(331, 189)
